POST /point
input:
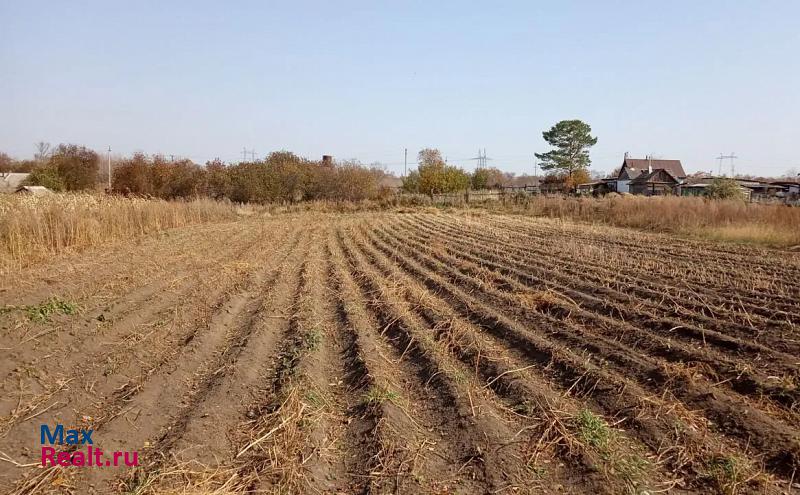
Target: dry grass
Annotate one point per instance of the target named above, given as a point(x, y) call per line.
point(33, 228)
point(764, 224)
point(771, 225)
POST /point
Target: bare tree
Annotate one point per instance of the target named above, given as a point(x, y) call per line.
point(6, 163)
point(42, 151)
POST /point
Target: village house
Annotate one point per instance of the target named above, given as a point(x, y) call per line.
point(789, 188)
point(11, 181)
point(762, 190)
point(632, 168)
point(657, 182)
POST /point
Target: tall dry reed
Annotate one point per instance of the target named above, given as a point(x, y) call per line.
point(766, 224)
point(33, 228)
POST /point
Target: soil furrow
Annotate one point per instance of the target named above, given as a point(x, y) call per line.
point(474, 455)
point(550, 419)
point(617, 267)
point(613, 392)
point(683, 303)
point(519, 295)
point(778, 442)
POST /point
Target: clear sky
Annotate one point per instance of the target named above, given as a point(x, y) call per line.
point(202, 79)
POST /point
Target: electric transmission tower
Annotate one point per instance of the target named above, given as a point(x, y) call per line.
point(246, 152)
point(730, 157)
point(482, 158)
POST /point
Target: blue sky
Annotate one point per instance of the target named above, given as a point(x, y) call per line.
point(686, 80)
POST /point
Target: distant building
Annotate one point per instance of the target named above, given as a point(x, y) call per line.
point(658, 182)
point(701, 189)
point(595, 188)
point(790, 187)
point(762, 190)
point(698, 186)
point(632, 168)
point(10, 182)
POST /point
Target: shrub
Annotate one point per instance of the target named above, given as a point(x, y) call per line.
point(486, 178)
point(46, 176)
point(217, 182)
point(724, 188)
point(133, 176)
point(434, 176)
point(69, 168)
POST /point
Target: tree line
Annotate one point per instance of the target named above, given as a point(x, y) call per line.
point(281, 176)
point(284, 176)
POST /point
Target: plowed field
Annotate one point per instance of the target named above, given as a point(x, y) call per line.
point(407, 353)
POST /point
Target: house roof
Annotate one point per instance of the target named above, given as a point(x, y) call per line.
point(9, 182)
point(637, 166)
point(653, 177)
point(33, 190)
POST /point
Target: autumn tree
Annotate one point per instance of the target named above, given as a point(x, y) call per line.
point(485, 178)
point(217, 182)
point(350, 181)
point(76, 165)
point(571, 140)
point(68, 168)
point(565, 183)
point(133, 176)
point(6, 163)
point(434, 176)
point(411, 182)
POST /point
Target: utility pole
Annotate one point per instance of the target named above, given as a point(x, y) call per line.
point(535, 167)
point(405, 162)
point(109, 169)
point(244, 154)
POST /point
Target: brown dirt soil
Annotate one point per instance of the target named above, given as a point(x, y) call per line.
point(407, 353)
